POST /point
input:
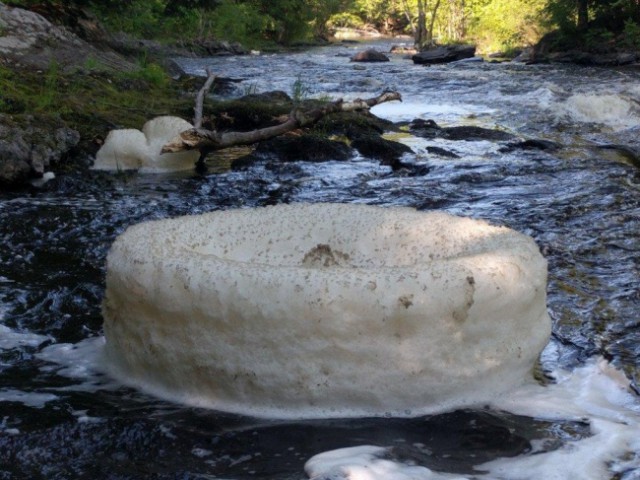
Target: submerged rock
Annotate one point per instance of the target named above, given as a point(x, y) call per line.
point(430, 129)
point(532, 144)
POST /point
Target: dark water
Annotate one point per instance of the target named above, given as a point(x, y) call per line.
point(580, 203)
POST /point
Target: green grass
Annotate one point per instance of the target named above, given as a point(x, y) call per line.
point(93, 101)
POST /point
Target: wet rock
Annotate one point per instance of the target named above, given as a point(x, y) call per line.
point(378, 148)
point(354, 125)
point(370, 55)
point(28, 148)
point(290, 148)
point(442, 152)
point(532, 144)
point(430, 129)
point(596, 59)
point(623, 152)
point(444, 54)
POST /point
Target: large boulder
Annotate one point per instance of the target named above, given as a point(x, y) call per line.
point(444, 54)
point(30, 147)
point(31, 40)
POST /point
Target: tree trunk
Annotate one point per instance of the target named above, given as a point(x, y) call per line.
point(434, 13)
point(421, 29)
point(583, 14)
point(210, 140)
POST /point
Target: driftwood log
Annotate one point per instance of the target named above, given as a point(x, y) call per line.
point(198, 138)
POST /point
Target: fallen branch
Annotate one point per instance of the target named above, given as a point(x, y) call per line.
point(209, 140)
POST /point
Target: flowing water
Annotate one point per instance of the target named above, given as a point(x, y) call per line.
point(62, 419)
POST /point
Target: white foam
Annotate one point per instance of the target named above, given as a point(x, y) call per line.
point(616, 111)
point(132, 149)
point(10, 338)
point(82, 362)
point(410, 109)
point(31, 399)
point(596, 393)
point(387, 311)
point(366, 463)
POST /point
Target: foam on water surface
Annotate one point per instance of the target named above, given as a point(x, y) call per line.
point(10, 338)
point(616, 111)
point(596, 393)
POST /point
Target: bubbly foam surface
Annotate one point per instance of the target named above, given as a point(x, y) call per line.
point(325, 310)
point(617, 111)
point(131, 149)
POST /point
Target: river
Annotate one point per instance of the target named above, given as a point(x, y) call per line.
point(60, 418)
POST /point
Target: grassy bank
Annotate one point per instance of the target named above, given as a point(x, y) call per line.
point(92, 100)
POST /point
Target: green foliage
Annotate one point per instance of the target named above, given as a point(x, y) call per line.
point(237, 22)
point(595, 38)
point(140, 18)
point(502, 25)
point(50, 88)
point(631, 37)
point(299, 90)
point(345, 20)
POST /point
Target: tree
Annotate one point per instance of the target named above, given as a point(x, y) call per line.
point(417, 16)
point(583, 14)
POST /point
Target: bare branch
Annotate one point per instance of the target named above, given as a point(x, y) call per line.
point(197, 118)
point(208, 140)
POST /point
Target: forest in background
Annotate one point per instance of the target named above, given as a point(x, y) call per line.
point(493, 25)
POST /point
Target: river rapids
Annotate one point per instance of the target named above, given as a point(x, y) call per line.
point(61, 418)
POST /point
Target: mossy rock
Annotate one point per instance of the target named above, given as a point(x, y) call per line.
point(292, 148)
point(353, 125)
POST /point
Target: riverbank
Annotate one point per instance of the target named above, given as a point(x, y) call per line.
point(63, 89)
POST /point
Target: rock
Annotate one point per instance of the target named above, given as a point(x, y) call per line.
point(442, 152)
point(33, 41)
point(28, 149)
point(221, 48)
point(624, 153)
point(532, 144)
point(376, 147)
point(526, 56)
point(444, 54)
point(290, 148)
point(430, 129)
point(403, 49)
point(370, 55)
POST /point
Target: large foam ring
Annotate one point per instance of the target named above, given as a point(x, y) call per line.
point(325, 310)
